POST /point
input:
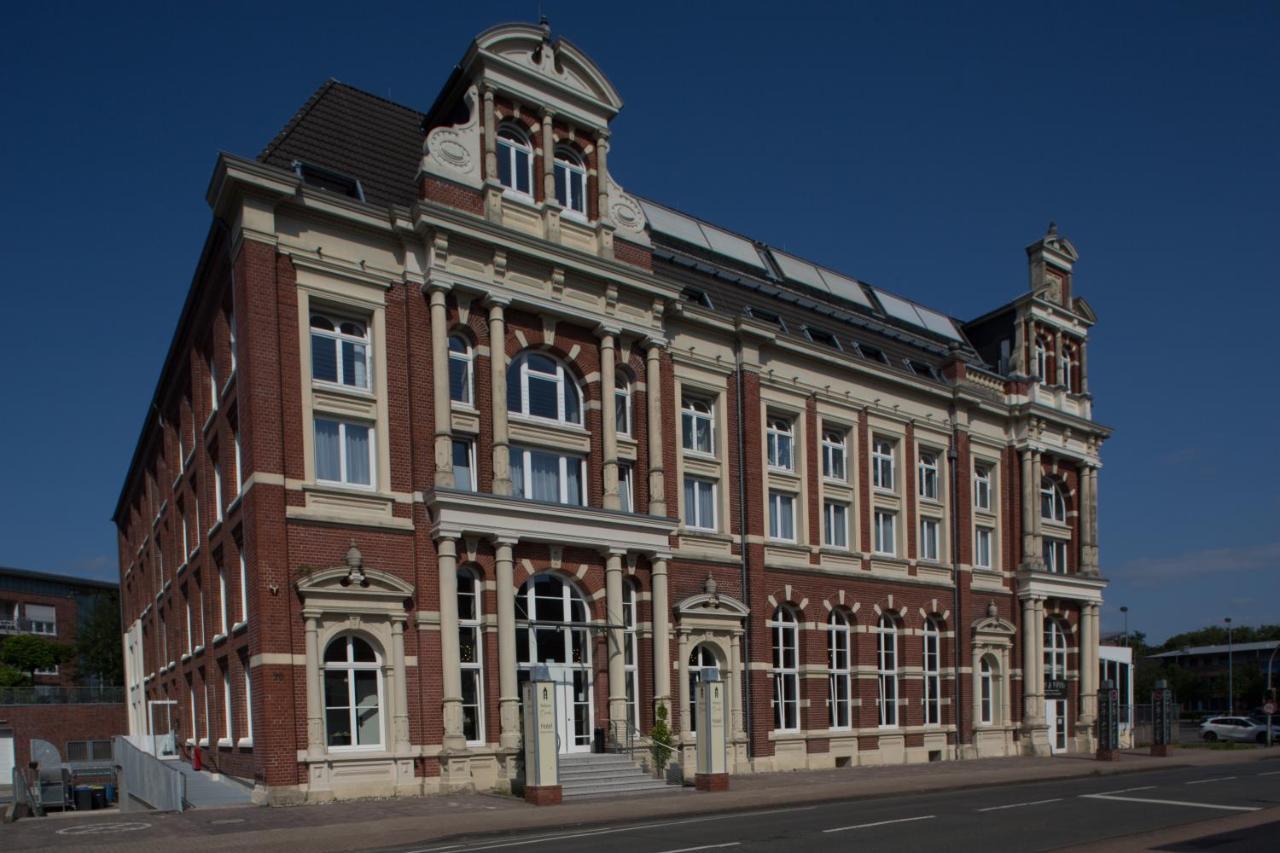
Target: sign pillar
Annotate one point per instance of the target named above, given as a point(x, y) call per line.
point(1108, 722)
point(1161, 719)
point(541, 753)
point(712, 774)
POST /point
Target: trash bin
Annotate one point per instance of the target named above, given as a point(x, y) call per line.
point(111, 793)
point(99, 797)
point(83, 798)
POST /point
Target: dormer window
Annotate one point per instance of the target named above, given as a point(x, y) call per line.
point(571, 181)
point(821, 336)
point(697, 297)
point(327, 179)
point(515, 160)
point(871, 353)
point(766, 316)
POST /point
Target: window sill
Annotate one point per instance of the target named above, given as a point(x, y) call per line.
point(191, 742)
point(339, 388)
point(170, 667)
point(892, 493)
point(219, 638)
point(198, 650)
point(245, 743)
point(186, 657)
point(224, 741)
point(235, 503)
point(195, 552)
point(204, 741)
point(182, 568)
point(217, 525)
point(239, 626)
point(226, 386)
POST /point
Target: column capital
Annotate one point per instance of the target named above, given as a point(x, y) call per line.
point(497, 301)
point(653, 343)
point(449, 542)
point(505, 539)
point(614, 552)
point(433, 285)
point(607, 332)
point(659, 556)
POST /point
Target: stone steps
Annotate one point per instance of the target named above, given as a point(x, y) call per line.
point(606, 775)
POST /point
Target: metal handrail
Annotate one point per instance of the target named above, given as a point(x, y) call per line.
point(632, 731)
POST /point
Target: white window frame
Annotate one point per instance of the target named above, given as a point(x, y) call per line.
point(622, 397)
point(986, 692)
point(465, 358)
point(244, 588)
point(338, 338)
point(886, 522)
point(226, 739)
point(784, 631)
point(213, 379)
point(186, 600)
point(475, 625)
point(217, 492)
point(1055, 649)
point(626, 487)
point(1065, 363)
point(695, 411)
point(780, 443)
point(980, 559)
point(982, 493)
point(564, 460)
point(835, 520)
point(930, 476)
point(883, 452)
point(887, 671)
point(247, 740)
point(236, 480)
point(839, 672)
point(470, 445)
point(343, 467)
point(1053, 499)
point(695, 517)
point(631, 653)
point(782, 512)
point(350, 667)
point(571, 165)
point(932, 648)
point(835, 455)
point(1041, 355)
point(564, 382)
point(222, 598)
point(511, 141)
point(930, 545)
point(1054, 554)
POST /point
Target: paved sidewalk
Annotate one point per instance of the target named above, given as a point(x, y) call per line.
point(386, 823)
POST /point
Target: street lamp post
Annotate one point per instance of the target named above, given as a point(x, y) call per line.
point(1231, 693)
point(1124, 611)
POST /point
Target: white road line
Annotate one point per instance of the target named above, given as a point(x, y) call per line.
point(1170, 803)
point(1270, 773)
point(1214, 779)
point(704, 847)
point(1020, 805)
point(881, 823)
point(1127, 790)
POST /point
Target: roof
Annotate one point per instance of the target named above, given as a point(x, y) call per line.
point(69, 580)
point(1220, 649)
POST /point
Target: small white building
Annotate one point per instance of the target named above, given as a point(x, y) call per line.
point(1115, 664)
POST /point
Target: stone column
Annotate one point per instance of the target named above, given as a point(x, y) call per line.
point(661, 633)
point(1084, 367)
point(315, 698)
point(548, 157)
point(1037, 540)
point(1088, 663)
point(490, 136)
point(1030, 665)
point(440, 388)
point(1057, 360)
point(617, 642)
point(1037, 656)
point(1029, 553)
point(450, 662)
point(653, 393)
point(401, 739)
point(682, 664)
point(1086, 526)
point(498, 389)
point(508, 687)
point(1091, 515)
point(736, 683)
point(608, 338)
point(602, 176)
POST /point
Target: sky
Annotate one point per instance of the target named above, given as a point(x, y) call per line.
point(917, 146)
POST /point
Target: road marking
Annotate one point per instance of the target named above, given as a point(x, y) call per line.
point(103, 828)
point(1214, 779)
point(1127, 790)
point(881, 823)
point(1270, 773)
point(1169, 803)
point(704, 847)
point(1020, 805)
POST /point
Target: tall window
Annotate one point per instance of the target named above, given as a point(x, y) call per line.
point(882, 464)
point(697, 426)
point(886, 538)
point(833, 455)
point(1041, 354)
point(571, 181)
point(515, 160)
point(1053, 503)
point(247, 740)
point(551, 628)
point(217, 491)
point(461, 384)
point(986, 692)
point(540, 475)
point(631, 653)
point(344, 452)
point(932, 675)
point(929, 549)
point(340, 351)
point(699, 503)
point(887, 666)
point(982, 487)
point(839, 671)
point(782, 516)
point(780, 444)
point(538, 386)
point(213, 380)
point(226, 705)
point(928, 487)
point(352, 694)
point(231, 339)
point(1065, 364)
point(1055, 649)
point(701, 661)
point(236, 473)
point(982, 548)
point(786, 670)
point(222, 598)
point(835, 526)
point(622, 404)
point(471, 656)
point(244, 587)
point(1055, 555)
point(626, 487)
point(464, 464)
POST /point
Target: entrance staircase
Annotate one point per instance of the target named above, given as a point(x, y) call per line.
point(606, 775)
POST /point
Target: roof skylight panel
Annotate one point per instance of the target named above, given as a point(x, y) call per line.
point(732, 246)
point(937, 323)
point(799, 271)
point(899, 309)
point(844, 287)
point(674, 224)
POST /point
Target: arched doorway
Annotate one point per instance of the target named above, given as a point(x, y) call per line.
point(702, 660)
point(552, 630)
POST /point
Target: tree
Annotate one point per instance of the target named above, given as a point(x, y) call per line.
point(98, 641)
point(660, 736)
point(27, 653)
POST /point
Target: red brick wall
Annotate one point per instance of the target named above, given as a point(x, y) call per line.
point(58, 724)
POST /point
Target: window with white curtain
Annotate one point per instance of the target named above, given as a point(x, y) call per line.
point(352, 694)
point(782, 516)
point(541, 475)
point(538, 386)
point(982, 547)
point(887, 667)
point(571, 181)
point(461, 384)
point(471, 655)
point(982, 486)
point(929, 532)
point(515, 160)
point(886, 532)
point(928, 468)
point(932, 674)
point(835, 526)
point(699, 503)
point(41, 619)
point(834, 454)
point(697, 426)
point(340, 351)
point(344, 452)
point(882, 464)
point(464, 464)
point(786, 669)
point(780, 444)
point(839, 671)
point(622, 404)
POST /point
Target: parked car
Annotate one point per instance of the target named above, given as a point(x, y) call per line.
point(1240, 729)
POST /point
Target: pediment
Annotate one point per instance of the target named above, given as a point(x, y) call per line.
point(712, 604)
point(994, 625)
point(341, 582)
point(558, 61)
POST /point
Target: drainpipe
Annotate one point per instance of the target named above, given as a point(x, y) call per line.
point(955, 591)
point(742, 534)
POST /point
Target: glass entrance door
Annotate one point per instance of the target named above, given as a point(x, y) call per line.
point(1056, 711)
point(552, 630)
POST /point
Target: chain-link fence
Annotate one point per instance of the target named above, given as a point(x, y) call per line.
point(1143, 730)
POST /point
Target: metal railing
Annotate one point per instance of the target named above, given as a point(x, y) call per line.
point(624, 737)
point(52, 694)
point(28, 626)
point(146, 779)
point(26, 790)
point(1143, 721)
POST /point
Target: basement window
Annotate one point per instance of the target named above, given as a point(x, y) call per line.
point(327, 179)
point(766, 316)
point(697, 297)
point(822, 336)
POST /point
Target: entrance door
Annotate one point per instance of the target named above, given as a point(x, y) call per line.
point(163, 742)
point(552, 630)
point(6, 757)
point(573, 707)
point(1056, 711)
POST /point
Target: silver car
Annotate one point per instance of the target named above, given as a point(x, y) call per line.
point(1240, 729)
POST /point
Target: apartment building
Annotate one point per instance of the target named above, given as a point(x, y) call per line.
point(446, 402)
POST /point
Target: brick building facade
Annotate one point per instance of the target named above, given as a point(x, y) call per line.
point(446, 402)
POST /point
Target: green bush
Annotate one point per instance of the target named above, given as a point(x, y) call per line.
point(660, 735)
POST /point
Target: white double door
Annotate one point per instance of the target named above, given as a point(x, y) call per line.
point(573, 706)
point(1055, 711)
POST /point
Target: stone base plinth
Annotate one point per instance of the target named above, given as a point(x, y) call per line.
point(711, 781)
point(1161, 750)
point(1108, 755)
point(542, 795)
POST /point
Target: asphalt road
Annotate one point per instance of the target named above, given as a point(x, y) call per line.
point(1015, 818)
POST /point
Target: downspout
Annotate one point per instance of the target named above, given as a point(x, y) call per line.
point(955, 588)
point(742, 548)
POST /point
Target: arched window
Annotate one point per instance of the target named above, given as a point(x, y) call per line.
point(631, 654)
point(461, 383)
point(1053, 503)
point(538, 386)
point(622, 403)
point(697, 425)
point(1055, 649)
point(786, 670)
point(1065, 365)
point(988, 698)
point(515, 160)
point(339, 351)
point(701, 661)
point(932, 674)
point(471, 655)
point(779, 442)
point(352, 694)
point(839, 671)
point(887, 665)
point(552, 630)
point(571, 181)
point(1041, 353)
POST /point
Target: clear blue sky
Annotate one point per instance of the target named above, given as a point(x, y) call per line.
point(918, 146)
